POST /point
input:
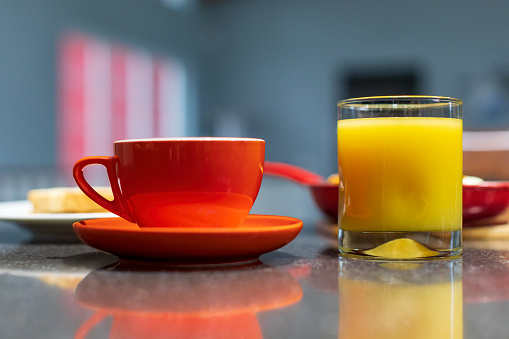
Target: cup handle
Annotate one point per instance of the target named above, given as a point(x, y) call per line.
point(118, 204)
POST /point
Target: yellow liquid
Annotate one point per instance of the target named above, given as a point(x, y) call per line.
point(389, 311)
point(401, 174)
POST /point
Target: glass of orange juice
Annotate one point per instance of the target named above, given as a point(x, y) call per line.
point(400, 170)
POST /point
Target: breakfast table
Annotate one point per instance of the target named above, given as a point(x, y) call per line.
point(58, 287)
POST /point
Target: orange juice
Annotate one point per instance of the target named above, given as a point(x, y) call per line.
point(370, 309)
point(401, 174)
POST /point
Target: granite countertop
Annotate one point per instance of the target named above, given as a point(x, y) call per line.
point(303, 290)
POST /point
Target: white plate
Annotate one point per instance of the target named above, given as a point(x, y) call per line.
point(49, 224)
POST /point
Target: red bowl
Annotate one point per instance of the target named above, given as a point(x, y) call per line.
point(484, 201)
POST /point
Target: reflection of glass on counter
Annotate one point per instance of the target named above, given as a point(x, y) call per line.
point(421, 299)
point(216, 302)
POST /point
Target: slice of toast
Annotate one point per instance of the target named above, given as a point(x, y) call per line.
point(66, 200)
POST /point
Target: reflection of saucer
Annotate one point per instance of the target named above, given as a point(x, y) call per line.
point(249, 288)
point(218, 302)
point(257, 235)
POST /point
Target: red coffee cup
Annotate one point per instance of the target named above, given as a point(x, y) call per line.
point(180, 182)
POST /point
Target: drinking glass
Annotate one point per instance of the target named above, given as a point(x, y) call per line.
point(400, 169)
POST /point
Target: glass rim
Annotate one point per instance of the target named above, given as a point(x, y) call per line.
point(398, 100)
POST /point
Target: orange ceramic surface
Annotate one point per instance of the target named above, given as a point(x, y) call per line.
point(180, 182)
point(258, 234)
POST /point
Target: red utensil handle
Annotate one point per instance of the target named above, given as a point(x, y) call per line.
point(292, 172)
point(118, 204)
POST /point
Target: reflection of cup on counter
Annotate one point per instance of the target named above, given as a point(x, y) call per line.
point(180, 182)
point(400, 299)
point(202, 303)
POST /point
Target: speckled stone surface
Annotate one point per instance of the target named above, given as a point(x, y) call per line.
point(303, 290)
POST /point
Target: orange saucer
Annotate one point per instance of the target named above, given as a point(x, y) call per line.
point(257, 235)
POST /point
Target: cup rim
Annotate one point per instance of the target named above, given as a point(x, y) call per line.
point(430, 99)
point(178, 139)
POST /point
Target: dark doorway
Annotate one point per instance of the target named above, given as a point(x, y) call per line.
point(362, 83)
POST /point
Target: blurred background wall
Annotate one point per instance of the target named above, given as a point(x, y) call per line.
point(32, 35)
point(269, 69)
point(31, 32)
point(281, 66)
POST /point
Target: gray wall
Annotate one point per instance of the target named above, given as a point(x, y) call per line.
point(269, 69)
point(279, 64)
point(29, 33)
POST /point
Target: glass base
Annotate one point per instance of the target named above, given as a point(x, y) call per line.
point(401, 245)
